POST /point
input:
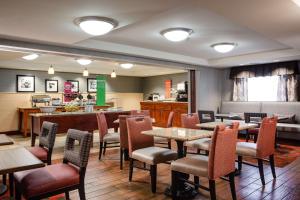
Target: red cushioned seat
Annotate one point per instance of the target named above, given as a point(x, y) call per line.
point(47, 179)
point(39, 152)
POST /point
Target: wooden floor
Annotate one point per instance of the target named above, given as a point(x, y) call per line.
point(104, 180)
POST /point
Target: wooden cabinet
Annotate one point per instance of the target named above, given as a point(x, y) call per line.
point(160, 111)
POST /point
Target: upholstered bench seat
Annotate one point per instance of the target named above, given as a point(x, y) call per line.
point(44, 180)
point(202, 144)
point(154, 155)
point(39, 152)
point(246, 149)
point(111, 137)
point(195, 164)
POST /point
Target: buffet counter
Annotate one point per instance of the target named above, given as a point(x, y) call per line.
point(160, 110)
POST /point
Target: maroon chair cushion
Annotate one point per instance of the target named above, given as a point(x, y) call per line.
point(44, 180)
point(39, 152)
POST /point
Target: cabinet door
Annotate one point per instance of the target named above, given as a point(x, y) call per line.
point(162, 111)
point(150, 107)
point(178, 110)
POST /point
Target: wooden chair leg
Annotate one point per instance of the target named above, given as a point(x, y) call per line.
point(240, 163)
point(81, 191)
point(104, 149)
point(232, 185)
point(174, 185)
point(130, 169)
point(4, 177)
point(247, 135)
point(67, 195)
point(212, 189)
point(185, 150)
point(169, 145)
point(196, 182)
point(153, 173)
point(100, 150)
point(198, 151)
point(121, 158)
point(255, 137)
point(261, 170)
point(18, 195)
point(272, 164)
point(206, 152)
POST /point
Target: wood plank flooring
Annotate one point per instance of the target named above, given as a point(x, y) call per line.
point(104, 180)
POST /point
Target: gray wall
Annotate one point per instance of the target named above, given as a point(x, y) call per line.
point(157, 83)
point(125, 84)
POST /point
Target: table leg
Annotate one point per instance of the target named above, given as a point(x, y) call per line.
point(222, 119)
point(25, 123)
point(11, 184)
point(185, 190)
point(20, 121)
point(33, 135)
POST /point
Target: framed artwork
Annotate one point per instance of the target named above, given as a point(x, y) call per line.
point(91, 85)
point(74, 85)
point(51, 85)
point(25, 83)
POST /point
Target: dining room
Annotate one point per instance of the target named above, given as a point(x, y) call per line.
point(149, 100)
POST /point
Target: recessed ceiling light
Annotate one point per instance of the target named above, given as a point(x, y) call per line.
point(85, 72)
point(126, 65)
point(296, 2)
point(113, 74)
point(176, 34)
point(50, 70)
point(83, 61)
point(276, 60)
point(224, 47)
point(94, 25)
point(31, 56)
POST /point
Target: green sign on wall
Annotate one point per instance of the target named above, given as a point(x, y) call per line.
point(100, 90)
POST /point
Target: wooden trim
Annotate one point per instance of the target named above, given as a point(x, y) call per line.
point(192, 91)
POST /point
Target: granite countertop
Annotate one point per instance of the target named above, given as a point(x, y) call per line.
point(70, 113)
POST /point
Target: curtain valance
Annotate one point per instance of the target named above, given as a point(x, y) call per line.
point(270, 69)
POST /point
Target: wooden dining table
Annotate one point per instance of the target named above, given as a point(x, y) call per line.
point(17, 159)
point(212, 125)
point(180, 135)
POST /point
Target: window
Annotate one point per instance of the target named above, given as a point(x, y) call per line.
point(263, 88)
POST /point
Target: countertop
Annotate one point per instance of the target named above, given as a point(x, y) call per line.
point(55, 114)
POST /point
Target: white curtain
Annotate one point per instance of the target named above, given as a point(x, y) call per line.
point(240, 89)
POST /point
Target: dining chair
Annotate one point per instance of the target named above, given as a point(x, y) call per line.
point(141, 148)
point(206, 116)
point(58, 178)
point(253, 117)
point(219, 163)
point(190, 121)
point(46, 142)
point(262, 149)
point(164, 141)
point(107, 139)
point(140, 112)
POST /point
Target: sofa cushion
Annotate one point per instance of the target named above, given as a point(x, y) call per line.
point(239, 107)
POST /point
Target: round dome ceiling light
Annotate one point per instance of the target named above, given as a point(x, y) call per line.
point(32, 56)
point(126, 65)
point(96, 26)
point(176, 34)
point(224, 47)
point(83, 61)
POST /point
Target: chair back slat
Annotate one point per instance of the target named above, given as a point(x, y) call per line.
point(137, 140)
point(48, 134)
point(190, 120)
point(77, 154)
point(222, 151)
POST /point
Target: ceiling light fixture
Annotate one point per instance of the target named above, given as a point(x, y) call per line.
point(224, 47)
point(126, 65)
point(296, 2)
point(176, 34)
point(83, 61)
point(85, 72)
point(113, 74)
point(95, 25)
point(31, 56)
point(50, 70)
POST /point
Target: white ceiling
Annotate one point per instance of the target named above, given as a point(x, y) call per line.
point(14, 60)
point(265, 30)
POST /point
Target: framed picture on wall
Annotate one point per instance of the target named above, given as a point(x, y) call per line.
point(74, 86)
point(51, 85)
point(25, 83)
point(91, 85)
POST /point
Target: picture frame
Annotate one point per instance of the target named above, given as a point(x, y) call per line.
point(91, 85)
point(25, 83)
point(75, 85)
point(51, 85)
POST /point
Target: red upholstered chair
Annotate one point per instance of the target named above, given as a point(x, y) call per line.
point(262, 149)
point(140, 112)
point(165, 141)
point(58, 178)
point(190, 121)
point(219, 163)
point(46, 142)
point(141, 147)
point(107, 140)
